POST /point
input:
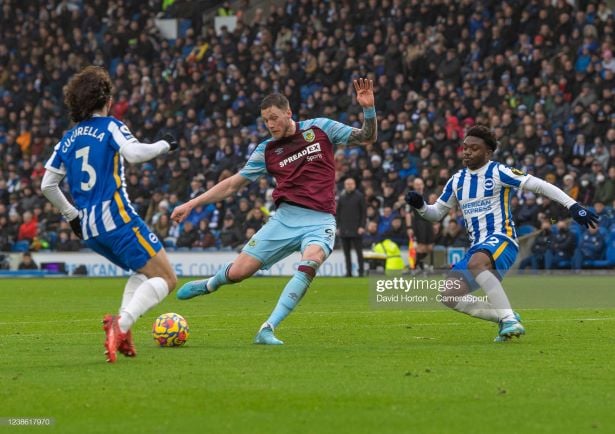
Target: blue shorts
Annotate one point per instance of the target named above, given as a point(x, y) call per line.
point(291, 229)
point(500, 249)
point(129, 246)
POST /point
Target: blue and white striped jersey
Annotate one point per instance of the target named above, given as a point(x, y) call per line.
point(484, 198)
point(89, 156)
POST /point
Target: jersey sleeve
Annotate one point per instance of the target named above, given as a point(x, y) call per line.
point(512, 177)
point(121, 135)
point(448, 197)
point(255, 166)
point(338, 132)
point(55, 163)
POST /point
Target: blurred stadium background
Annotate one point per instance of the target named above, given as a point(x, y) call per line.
point(540, 73)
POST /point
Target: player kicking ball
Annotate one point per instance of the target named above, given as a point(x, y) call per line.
point(299, 155)
point(90, 156)
point(483, 190)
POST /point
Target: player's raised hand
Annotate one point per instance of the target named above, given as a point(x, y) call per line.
point(180, 213)
point(365, 92)
point(583, 216)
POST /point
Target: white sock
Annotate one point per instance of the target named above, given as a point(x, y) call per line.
point(148, 294)
point(497, 297)
point(477, 308)
point(133, 283)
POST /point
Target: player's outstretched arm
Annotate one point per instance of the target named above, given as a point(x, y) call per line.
point(432, 213)
point(136, 152)
point(580, 214)
point(218, 192)
point(365, 97)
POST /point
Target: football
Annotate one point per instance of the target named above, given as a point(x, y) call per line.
point(170, 330)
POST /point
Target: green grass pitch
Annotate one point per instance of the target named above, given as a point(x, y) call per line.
point(345, 368)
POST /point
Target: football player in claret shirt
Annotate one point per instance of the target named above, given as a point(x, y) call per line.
point(299, 155)
point(90, 156)
point(483, 190)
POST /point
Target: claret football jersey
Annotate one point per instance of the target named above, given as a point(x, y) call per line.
point(302, 164)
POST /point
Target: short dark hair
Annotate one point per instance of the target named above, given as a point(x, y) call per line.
point(483, 132)
point(87, 92)
point(275, 100)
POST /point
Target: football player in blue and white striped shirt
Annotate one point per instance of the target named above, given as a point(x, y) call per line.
point(90, 156)
point(483, 190)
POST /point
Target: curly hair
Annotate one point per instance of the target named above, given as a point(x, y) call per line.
point(87, 92)
point(483, 132)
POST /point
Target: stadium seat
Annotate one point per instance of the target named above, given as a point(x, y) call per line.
point(609, 252)
point(53, 239)
point(525, 230)
point(607, 221)
point(610, 249)
point(113, 65)
point(568, 263)
point(607, 218)
point(20, 246)
point(577, 229)
point(305, 92)
point(183, 26)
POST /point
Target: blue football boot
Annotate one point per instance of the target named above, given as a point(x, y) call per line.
point(192, 289)
point(265, 336)
point(508, 329)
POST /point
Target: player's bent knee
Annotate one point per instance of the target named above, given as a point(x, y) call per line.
point(447, 298)
point(169, 276)
point(453, 289)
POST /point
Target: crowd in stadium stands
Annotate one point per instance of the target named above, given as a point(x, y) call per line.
point(541, 73)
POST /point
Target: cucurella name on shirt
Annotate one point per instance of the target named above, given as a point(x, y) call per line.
point(82, 131)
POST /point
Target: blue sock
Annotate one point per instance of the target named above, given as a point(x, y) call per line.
point(219, 279)
point(293, 292)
